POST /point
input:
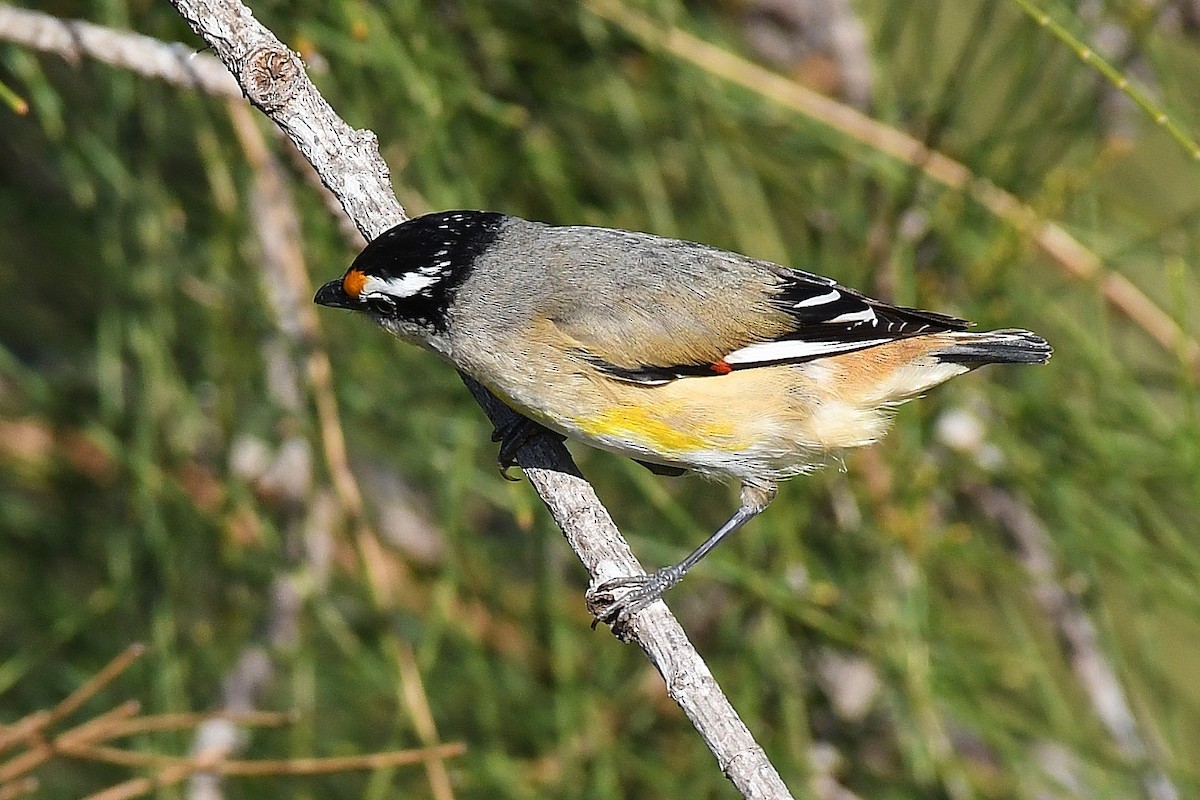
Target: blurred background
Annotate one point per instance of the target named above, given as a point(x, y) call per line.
point(1000, 600)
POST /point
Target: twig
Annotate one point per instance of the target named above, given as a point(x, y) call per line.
point(324, 766)
point(31, 729)
point(349, 164)
point(72, 39)
point(1078, 634)
point(1068, 252)
point(86, 741)
point(273, 79)
point(97, 728)
point(290, 766)
point(24, 730)
point(604, 552)
point(173, 722)
point(174, 770)
point(105, 676)
point(41, 750)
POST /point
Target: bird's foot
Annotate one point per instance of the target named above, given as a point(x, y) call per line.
point(617, 608)
point(512, 436)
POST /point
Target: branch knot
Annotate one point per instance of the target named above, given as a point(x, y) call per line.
point(270, 77)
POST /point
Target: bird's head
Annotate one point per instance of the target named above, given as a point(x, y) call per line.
point(406, 278)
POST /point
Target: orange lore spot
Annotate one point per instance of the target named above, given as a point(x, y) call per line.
point(722, 367)
point(354, 282)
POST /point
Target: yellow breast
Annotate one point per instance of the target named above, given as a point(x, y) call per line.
point(667, 431)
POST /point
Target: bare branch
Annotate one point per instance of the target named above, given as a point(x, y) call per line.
point(594, 537)
point(73, 39)
point(274, 80)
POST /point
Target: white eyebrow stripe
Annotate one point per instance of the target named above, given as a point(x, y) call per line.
point(866, 315)
point(819, 300)
point(791, 349)
point(407, 285)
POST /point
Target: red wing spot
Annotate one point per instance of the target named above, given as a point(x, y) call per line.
point(353, 283)
point(721, 367)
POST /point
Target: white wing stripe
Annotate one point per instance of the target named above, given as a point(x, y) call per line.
point(866, 315)
point(819, 299)
point(794, 349)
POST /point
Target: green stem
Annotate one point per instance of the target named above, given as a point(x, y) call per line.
point(1089, 56)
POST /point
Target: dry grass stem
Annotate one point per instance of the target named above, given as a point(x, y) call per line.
point(416, 703)
point(86, 742)
point(97, 682)
point(173, 722)
point(278, 228)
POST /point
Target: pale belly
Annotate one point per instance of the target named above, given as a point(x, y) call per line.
point(737, 426)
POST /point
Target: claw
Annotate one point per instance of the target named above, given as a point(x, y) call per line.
point(643, 590)
point(512, 436)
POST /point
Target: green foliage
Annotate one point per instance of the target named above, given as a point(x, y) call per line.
point(137, 334)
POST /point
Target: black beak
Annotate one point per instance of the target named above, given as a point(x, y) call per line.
point(333, 295)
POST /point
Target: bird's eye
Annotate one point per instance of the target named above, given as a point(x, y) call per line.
point(382, 305)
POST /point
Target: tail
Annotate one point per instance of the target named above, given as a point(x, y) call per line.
point(1008, 346)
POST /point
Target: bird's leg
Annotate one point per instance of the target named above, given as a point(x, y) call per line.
point(642, 590)
point(512, 436)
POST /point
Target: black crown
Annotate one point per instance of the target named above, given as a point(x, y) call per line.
point(442, 246)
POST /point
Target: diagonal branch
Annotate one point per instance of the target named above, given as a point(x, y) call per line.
point(349, 163)
point(273, 79)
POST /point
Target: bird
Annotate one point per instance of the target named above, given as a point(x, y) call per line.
point(682, 356)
